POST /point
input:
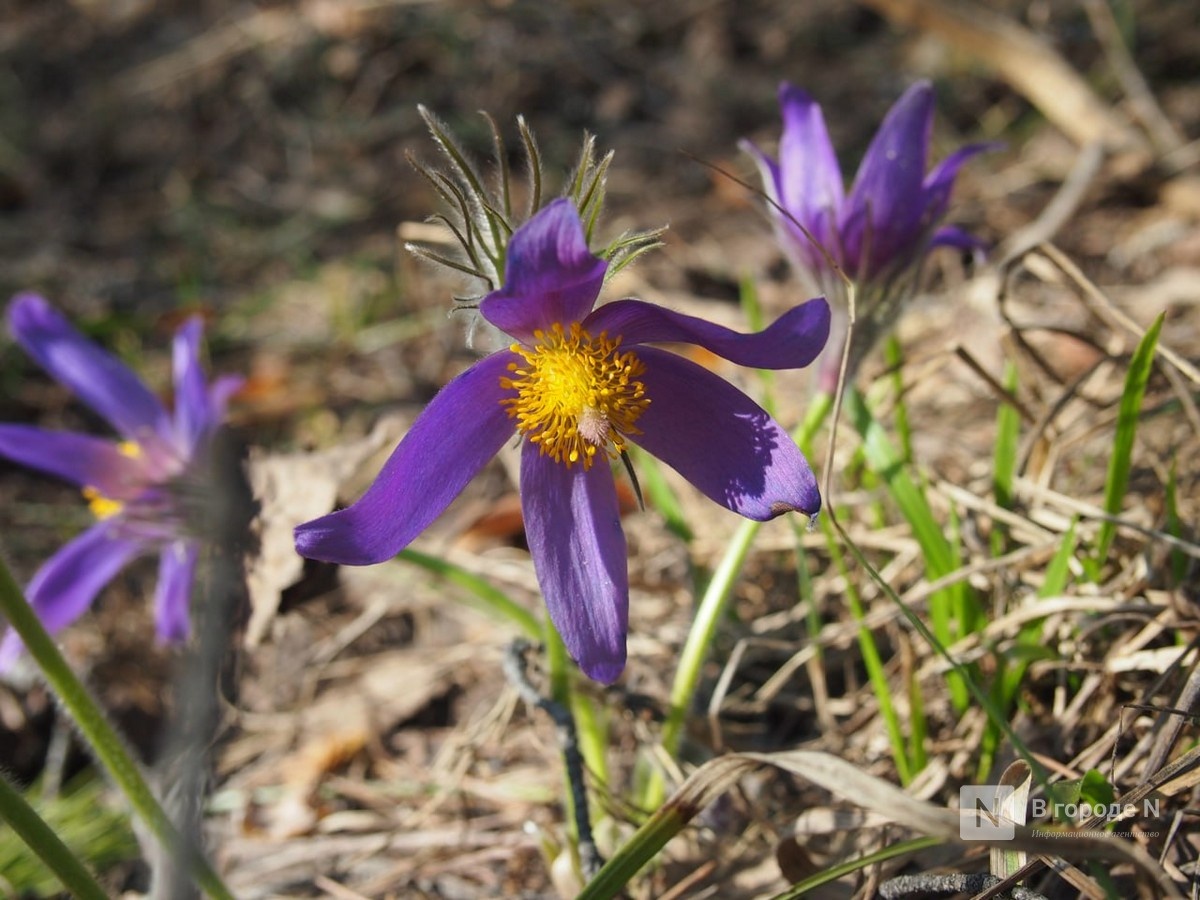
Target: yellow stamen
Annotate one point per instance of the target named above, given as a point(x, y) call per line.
point(102, 507)
point(132, 449)
point(575, 394)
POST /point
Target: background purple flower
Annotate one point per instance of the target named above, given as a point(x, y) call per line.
point(144, 489)
point(881, 231)
point(577, 384)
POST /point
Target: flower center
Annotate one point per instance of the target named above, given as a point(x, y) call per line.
point(154, 508)
point(102, 507)
point(575, 394)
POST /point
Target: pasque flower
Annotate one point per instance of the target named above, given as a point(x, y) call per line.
point(145, 489)
point(881, 231)
point(578, 385)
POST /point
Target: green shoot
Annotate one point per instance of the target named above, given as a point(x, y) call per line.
point(1121, 461)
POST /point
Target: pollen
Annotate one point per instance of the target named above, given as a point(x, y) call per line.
point(132, 449)
point(102, 507)
point(575, 394)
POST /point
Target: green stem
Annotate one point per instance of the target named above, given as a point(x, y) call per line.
point(713, 604)
point(700, 637)
point(99, 734)
point(41, 839)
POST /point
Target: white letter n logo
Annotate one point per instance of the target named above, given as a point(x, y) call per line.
point(980, 816)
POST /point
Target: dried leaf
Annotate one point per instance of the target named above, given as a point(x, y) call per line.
point(290, 489)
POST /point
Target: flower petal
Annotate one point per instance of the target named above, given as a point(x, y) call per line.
point(172, 597)
point(81, 459)
point(804, 255)
point(810, 177)
point(801, 248)
point(97, 377)
point(940, 181)
point(219, 393)
point(768, 170)
point(462, 428)
point(574, 531)
point(65, 586)
point(722, 441)
point(193, 411)
point(882, 213)
point(790, 342)
point(550, 276)
point(951, 236)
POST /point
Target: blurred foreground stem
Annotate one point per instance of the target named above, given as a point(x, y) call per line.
point(105, 743)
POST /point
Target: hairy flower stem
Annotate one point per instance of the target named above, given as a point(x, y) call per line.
point(559, 709)
point(100, 736)
point(41, 839)
point(710, 612)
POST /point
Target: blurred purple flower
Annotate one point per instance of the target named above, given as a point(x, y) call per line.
point(578, 383)
point(879, 234)
point(145, 491)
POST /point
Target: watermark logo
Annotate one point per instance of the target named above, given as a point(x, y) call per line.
point(981, 813)
point(986, 813)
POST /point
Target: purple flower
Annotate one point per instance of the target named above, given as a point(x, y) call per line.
point(579, 383)
point(144, 490)
point(880, 233)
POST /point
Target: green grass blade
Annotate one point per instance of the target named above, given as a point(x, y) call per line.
point(1012, 665)
point(840, 870)
point(1059, 571)
point(41, 839)
point(713, 603)
point(872, 661)
point(1127, 420)
point(951, 610)
point(591, 724)
point(645, 844)
point(918, 728)
point(894, 358)
point(818, 411)
point(1174, 526)
point(1008, 428)
point(888, 464)
point(748, 297)
point(959, 670)
point(480, 593)
point(107, 746)
point(660, 494)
